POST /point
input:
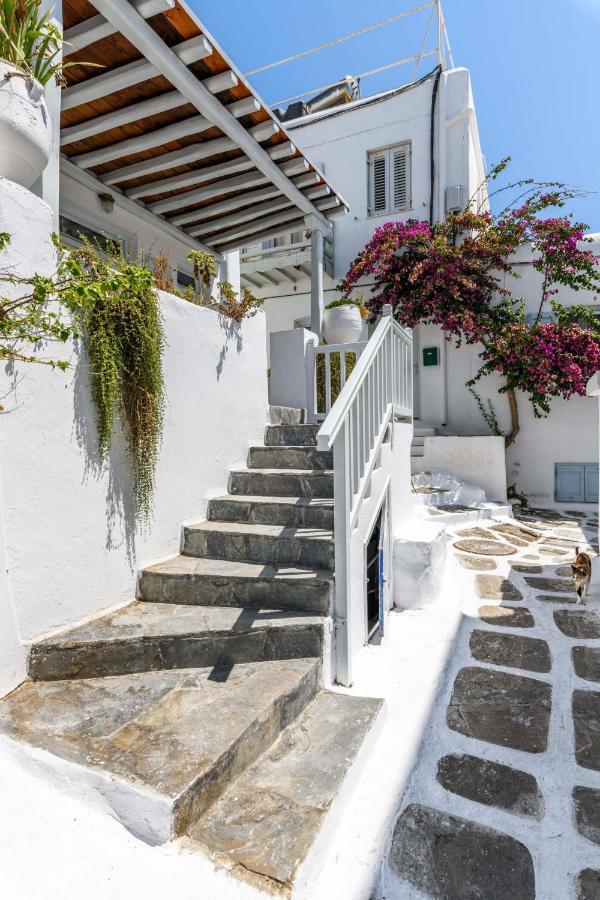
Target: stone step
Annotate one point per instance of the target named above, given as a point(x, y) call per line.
point(291, 435)
point(277, 817)
point(285, 415)
point(415, 450)
point(158, 747)
point(418, 441)
point(281, 483)
point(221, 582)
point(289, 458)
point(295, 511)
point(145, 637)
point(277, 545)
point(423, 431)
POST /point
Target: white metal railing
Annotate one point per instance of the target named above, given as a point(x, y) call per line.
point(379, 388)
point(323, 392)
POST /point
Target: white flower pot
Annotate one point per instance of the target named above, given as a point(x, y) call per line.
point(343, 324)
point(25, 130)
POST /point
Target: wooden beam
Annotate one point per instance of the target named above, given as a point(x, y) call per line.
point(227, 186)
point(97, 28)
point(91, 89)
point(148, 141)
point(131, 25)
point(223, 206)
point(241, 231)
point(187, 179)
point(142, 110)
point(191, 154)
point(236, 218)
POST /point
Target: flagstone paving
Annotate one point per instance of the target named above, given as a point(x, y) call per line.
point(495, 587)
point(505, 801)
point(481, 563)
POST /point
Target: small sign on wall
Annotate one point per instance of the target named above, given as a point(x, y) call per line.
point(430, 356)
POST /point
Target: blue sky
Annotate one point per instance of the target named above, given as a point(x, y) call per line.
point(534, 66)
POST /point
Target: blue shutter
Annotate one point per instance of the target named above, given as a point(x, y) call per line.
point(591, 483)
point(569, 483)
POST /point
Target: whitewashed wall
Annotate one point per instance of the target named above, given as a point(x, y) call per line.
point(70, 544)
point(81, 203)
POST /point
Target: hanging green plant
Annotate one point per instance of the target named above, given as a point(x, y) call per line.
point(116, 306)
point(112, 305)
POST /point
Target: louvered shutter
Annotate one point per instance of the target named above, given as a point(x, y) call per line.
point(378, 179)
point(400, 186)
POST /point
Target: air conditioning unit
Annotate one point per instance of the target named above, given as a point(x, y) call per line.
point(454, 199)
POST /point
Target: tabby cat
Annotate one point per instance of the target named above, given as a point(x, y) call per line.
point(582, 573)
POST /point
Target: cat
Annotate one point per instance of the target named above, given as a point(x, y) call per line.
point(582, 573)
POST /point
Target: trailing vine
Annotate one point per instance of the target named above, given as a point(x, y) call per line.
point(112, 306)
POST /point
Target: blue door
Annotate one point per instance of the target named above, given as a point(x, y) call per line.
point(576, 482)
point(591, 483)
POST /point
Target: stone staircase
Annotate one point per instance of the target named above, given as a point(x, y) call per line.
point(420, 432)
point(198, 709)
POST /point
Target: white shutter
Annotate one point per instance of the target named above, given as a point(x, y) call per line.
point(378, 182)
point(400, 177)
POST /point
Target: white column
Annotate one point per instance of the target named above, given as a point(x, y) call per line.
point(47, 185)
point(316, 275)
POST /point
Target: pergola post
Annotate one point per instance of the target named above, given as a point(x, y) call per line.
point(317, 233)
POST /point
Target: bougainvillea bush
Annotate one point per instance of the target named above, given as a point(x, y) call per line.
point(452, 274)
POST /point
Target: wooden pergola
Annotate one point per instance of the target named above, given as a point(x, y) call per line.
point(171, 124)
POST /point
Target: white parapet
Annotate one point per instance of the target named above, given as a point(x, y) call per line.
point(480, 460)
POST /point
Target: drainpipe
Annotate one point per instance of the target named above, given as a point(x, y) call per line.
point(442, 169)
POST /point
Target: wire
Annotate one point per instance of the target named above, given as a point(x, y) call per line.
point(339, 40)
point(361, 75)
point(425, 36)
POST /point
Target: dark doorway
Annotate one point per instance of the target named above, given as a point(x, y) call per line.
point(374, 569)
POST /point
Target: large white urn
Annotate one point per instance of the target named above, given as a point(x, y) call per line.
point(25, 129)
point(343, 324)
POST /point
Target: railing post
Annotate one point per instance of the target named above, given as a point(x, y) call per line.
point(311, 382)
point(343, 673)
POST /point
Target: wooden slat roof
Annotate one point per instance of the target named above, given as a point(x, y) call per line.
point(138, 135)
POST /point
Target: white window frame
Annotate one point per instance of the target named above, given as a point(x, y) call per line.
point(387, 153)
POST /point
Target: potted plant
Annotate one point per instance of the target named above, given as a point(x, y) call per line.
point(343, 321)
point(30, 55)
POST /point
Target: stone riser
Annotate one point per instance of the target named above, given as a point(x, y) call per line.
point(301, 552)
point(256, 740)
point(256, 593)
point(265, 513)
point(282, 484)
point(150, 654)
point(289, 458)
point(291, 435)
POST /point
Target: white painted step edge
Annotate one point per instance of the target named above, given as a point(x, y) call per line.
point(324, 846)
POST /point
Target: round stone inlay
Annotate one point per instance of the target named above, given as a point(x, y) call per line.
point(485, 548)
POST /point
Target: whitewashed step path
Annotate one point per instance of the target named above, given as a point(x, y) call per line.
point(505, 799)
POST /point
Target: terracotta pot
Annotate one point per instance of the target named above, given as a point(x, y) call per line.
point(25, 129)
point(343, 324)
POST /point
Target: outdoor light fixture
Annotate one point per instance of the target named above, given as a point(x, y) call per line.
point(107, 201)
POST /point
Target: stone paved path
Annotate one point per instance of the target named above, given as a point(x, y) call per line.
point(504, 802)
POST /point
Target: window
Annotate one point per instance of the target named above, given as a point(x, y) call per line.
point(576, 482)
point(184, 280)
point(73, 233)
point(389, 179)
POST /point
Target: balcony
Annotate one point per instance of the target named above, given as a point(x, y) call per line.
point(268, 266)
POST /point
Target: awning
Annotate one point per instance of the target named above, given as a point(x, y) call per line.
point(172, 124)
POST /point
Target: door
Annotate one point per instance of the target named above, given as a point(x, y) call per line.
point(576, 482)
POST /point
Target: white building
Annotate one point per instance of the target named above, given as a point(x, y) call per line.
point(412, 152)
point(400, 155)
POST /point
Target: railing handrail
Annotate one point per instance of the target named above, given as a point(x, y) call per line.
point(331, 426)
point(341, 348)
